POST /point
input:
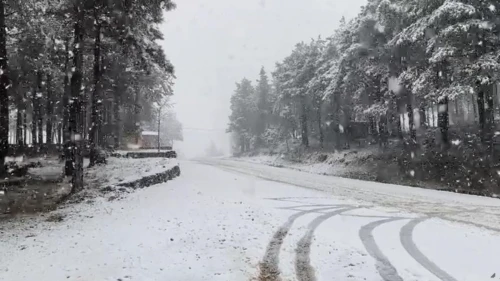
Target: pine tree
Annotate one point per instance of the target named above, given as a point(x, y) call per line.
point(263, 109)
point(243, 116)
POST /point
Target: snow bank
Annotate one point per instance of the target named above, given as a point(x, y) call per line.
point(351, 163)
point(122, 170)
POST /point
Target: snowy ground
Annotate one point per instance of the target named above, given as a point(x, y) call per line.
point(222, 219)
point(51, 167)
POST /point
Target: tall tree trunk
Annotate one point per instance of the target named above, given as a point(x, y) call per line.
point(116, 118)
point(373, 129)
point(96, 117)
point(19, 124)
point(60, 133)
point(24, 117)
point(320, 127)
point(481, 114)
point(383, 132)
point(303, 123)
point(34, 114)
point(137, 111)
point(396, 118)
point(443, 105)
point(85, 111)
point(489, 115)
point(474, 108)
point(66, 96)
point(423, 117)
point(400, 127)
point(443, 119)
point(25, 126)
point(434, 123)
point(76, 106)
point(411, 122)
point(4, 95)
point(50, 110)
point(39, 120)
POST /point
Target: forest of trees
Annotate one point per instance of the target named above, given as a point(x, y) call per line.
point(421, 71)
point(78, 72)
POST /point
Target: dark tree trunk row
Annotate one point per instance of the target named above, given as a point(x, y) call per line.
point(481, 114)
point(49, 110)
point(485, 108)
point(74, 164)
point(66, 96)
point(96, 114)
point(4, 96)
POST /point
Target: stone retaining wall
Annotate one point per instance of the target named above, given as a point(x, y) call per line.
point(153, 179)
point(144, 154)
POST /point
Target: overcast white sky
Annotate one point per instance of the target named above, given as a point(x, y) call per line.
point(215, 43)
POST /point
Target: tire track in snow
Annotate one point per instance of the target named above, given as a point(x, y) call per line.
point(384, 267)
point(305, 206)
point(406, 237)
point(303, 268)
point(269, 267)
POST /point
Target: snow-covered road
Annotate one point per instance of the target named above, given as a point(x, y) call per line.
point(229, 220)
